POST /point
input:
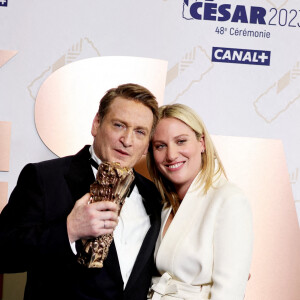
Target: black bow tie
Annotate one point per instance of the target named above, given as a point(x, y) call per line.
point(96, 166)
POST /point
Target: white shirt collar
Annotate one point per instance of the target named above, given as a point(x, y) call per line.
point(94, 156)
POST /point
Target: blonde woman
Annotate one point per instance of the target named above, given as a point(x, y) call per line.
point(204, 247)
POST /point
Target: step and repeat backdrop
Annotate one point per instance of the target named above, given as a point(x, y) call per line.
point(237, 63)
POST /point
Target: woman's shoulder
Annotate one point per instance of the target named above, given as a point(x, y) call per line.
point(228, 192)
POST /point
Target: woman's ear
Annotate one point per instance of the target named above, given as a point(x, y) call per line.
point(202, 141)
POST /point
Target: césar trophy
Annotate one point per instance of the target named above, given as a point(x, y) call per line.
point(112, 184)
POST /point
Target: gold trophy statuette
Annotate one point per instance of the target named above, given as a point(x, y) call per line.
point(112, 184)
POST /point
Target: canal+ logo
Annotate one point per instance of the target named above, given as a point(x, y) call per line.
point(241, 56)
point(209, 10)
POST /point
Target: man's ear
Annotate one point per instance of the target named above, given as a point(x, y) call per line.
point(146, 151)
point(147, 148)
point(95, 125)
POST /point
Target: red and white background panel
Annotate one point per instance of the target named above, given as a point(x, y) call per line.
point(237, 64)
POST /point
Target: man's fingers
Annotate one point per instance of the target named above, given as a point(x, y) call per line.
point(91, 219)
point(108, 215)
point(108, 224)
point(84, 199)
point(106, 206)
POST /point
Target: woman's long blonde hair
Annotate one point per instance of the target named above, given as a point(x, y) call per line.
point(209, 157)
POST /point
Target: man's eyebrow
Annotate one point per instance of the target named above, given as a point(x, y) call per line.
point(127, 125)
point(142, 127)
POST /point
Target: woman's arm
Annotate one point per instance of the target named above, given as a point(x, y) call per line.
point(233, 243)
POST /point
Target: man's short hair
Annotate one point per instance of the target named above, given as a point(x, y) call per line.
point(133, 92)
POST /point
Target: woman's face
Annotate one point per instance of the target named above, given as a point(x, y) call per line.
point(177, 153)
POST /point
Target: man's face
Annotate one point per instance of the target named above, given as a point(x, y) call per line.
point(123, 134)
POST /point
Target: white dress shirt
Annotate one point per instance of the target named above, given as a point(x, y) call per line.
point(131, 229)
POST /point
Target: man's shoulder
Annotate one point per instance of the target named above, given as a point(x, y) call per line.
point(55, 163)
point(60, 163)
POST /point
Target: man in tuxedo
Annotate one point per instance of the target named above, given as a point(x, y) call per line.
point(48, 212)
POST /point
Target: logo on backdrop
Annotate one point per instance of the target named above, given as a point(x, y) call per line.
point(211, 10)
point(241, 56)
point(3, 2)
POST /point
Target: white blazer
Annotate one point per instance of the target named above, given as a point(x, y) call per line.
point(209, 243)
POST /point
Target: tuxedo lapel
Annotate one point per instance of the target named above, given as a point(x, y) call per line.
point(112, 265)
point(80, 174)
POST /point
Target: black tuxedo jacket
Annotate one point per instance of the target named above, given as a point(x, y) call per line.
point(33, 235)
